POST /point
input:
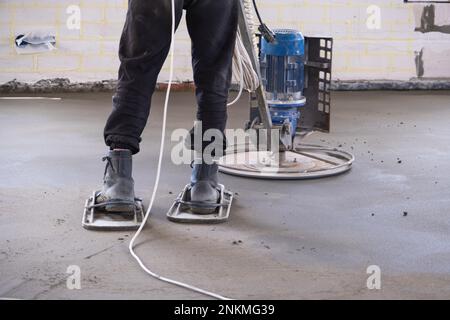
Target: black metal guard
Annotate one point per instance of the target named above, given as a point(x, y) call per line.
point(316, 113)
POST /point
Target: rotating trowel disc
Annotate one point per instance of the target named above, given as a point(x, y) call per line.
point(304, 162)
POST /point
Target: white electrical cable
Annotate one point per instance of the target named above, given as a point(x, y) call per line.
point(240, 63)
point(243, 69)
point(155, 187)
point(251, 78)
point(249, 12)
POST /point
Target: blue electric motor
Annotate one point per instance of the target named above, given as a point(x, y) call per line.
point(282, 70)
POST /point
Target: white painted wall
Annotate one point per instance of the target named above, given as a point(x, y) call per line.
point(384, 51)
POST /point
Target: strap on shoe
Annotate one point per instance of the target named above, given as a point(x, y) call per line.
point(200, 204)
point(114, 202)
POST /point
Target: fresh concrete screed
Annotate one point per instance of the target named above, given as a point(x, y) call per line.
point(285, 239)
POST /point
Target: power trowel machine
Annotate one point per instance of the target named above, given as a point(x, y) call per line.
point(291, 99)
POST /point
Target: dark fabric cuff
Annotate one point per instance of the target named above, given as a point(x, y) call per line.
point(122, 142)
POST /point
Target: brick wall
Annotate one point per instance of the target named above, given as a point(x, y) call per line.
point(90, 53)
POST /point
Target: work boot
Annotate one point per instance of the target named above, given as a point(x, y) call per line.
point(118, 185)
point(204, 190)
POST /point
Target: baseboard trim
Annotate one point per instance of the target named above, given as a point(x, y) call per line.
point(61, 85)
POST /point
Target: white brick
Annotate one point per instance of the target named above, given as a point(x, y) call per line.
point(115, 15)
point(5, 32)
point(102, 31)
point(92, 15)
point(105, 62)
point(66, 34)
point(27, 15)
point(79, 47)
point(436, 62)
point(52, 62)
point(11, 63)
point(110, 46)
point(5, 16)
point(6, 49)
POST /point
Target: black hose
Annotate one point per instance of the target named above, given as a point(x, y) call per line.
point(257, 12)
point(263, 28)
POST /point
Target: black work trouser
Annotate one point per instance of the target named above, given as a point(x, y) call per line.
point(144, 46)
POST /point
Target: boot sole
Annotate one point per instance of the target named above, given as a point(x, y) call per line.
point(119, 208)
point(200, 211)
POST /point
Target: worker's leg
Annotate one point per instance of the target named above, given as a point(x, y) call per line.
point(144, 46)
point(212, 25)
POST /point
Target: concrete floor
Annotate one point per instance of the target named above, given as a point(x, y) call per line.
point(300, 239)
